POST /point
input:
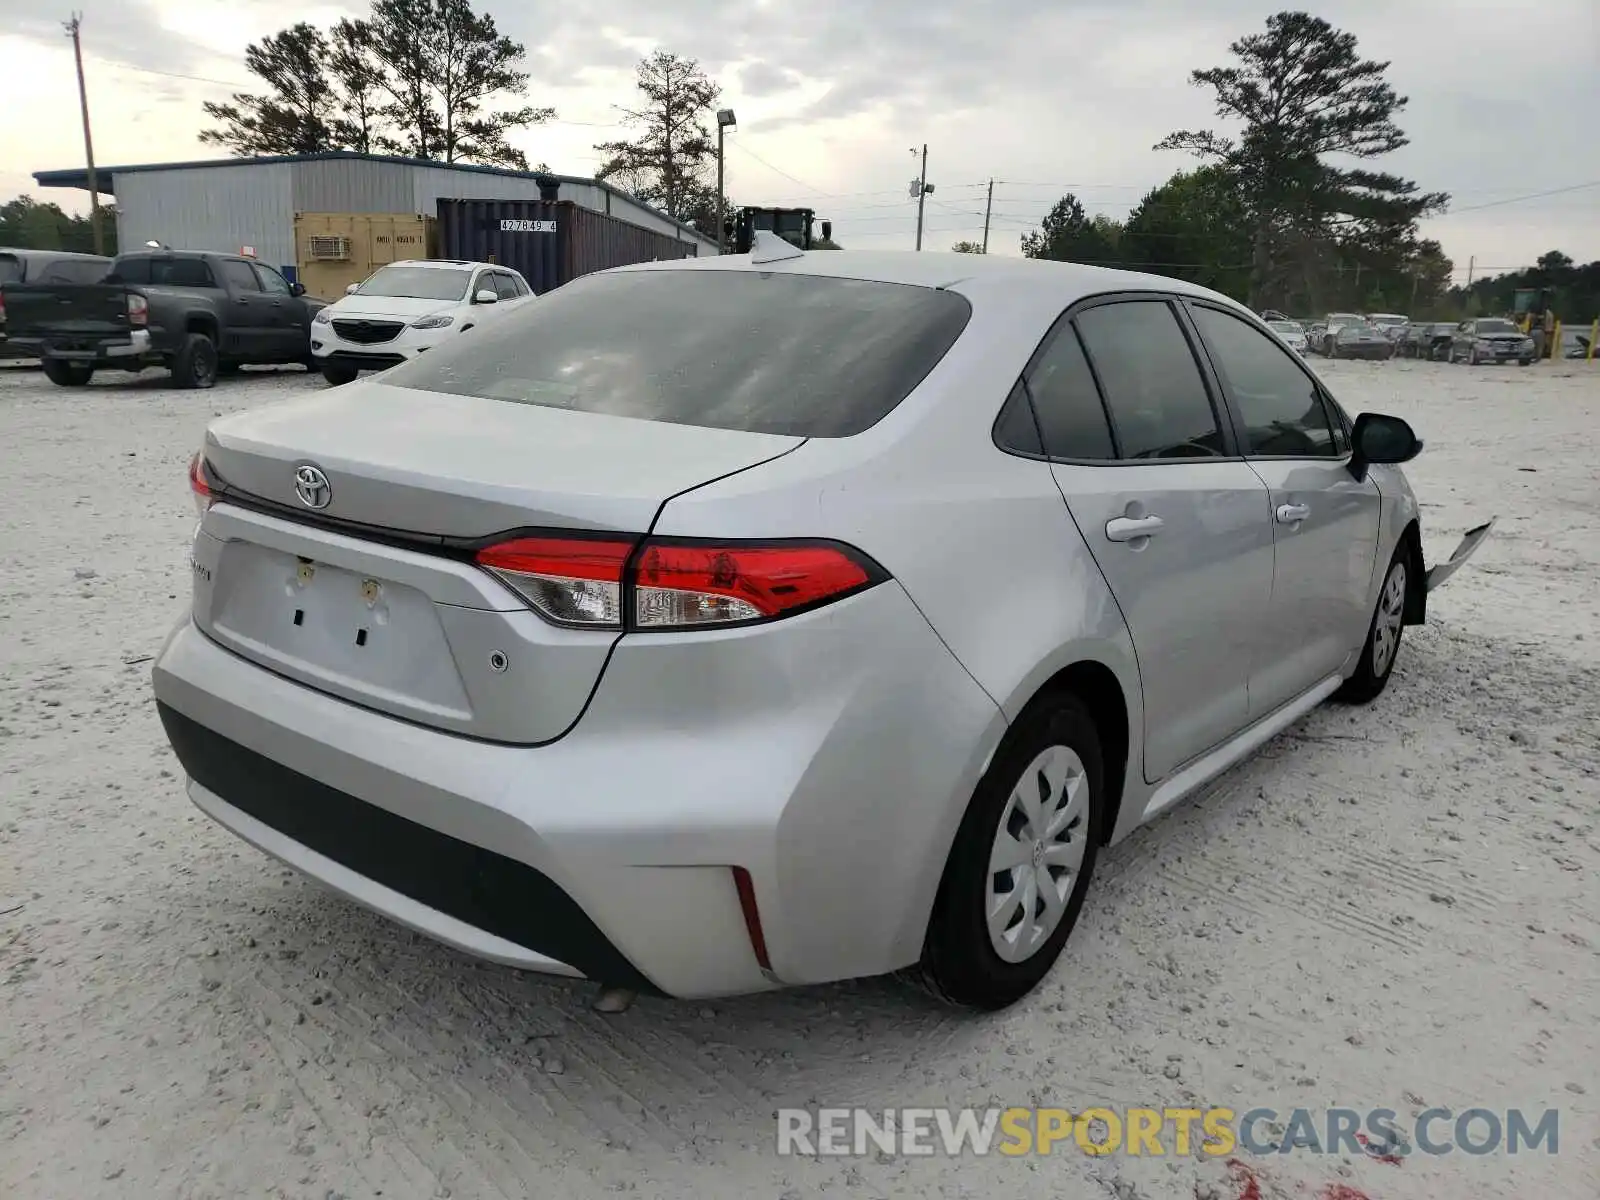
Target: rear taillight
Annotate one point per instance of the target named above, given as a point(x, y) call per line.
point(198, 485)
point(680, 586)
point(600, 583)
point(571, 581)
point(138, 309)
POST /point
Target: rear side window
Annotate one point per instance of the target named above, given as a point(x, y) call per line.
point(10, 268)
point(1072, 420)
point(241, 276)
point(777, 353)
point(1152, 384)
point(1279, 404)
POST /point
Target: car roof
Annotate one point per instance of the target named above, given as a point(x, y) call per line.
point(444, 263)
point(990, 276)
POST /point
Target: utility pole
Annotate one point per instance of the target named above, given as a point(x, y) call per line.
point(988, 207)
point(72, 27)
point(921, 188)
point(1471, 261)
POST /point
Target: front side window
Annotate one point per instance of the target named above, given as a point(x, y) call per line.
point(801, 355)
point(1152, 383)
point(1278, 402)
point(1072, 420)
point(272, 282)
point(503, 285)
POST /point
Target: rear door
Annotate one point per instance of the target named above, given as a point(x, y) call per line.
point(1178, 524)
point(1325, 523)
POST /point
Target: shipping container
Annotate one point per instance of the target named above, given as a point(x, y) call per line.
point(334, 250)
point(550, 242)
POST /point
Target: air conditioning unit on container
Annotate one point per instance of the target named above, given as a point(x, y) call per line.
point(328, 248)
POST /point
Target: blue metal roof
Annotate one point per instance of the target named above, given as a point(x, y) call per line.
point(106, 177)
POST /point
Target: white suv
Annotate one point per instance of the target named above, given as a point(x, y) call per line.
point(405, 308)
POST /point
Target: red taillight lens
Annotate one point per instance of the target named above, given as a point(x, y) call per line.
point(198, 484)
point(571, 581)
point(683, 586)
point(138, 309)
point(588, 582)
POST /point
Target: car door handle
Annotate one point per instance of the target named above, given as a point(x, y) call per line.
point(1292, 514)
point(1131, 529)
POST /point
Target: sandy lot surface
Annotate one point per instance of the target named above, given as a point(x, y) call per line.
point(1392, 907)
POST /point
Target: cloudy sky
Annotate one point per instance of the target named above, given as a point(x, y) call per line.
point(1043, 97)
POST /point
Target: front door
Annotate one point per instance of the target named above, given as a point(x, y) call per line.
point(1180, 530)
point(288, 335)
point(247, 333)
point(1325, 523)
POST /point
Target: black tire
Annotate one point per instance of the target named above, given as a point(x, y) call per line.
point(67, 374)
point(1372, 676)
point(195, 363)
point(338, 374)
point(959, 964)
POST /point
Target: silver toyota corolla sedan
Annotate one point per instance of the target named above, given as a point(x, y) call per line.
point(720, 625)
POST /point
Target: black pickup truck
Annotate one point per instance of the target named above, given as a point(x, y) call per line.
point(196, 314)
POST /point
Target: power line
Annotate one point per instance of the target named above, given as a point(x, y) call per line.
point(1574, 187)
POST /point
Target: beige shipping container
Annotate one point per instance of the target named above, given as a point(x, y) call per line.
point(334, 250)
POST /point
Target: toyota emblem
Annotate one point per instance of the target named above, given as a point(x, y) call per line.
point(312, 486)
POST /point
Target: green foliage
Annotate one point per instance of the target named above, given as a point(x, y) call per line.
point(672, 162)
point(25, 224)
point(417, 78)
point(1192, 227)
point(1301, 93)
point(1067, 235)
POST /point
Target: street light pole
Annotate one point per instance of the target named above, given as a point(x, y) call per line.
point(725, 121)
point(72, 27)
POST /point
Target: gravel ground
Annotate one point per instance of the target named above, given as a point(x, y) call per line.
point(1388, 907)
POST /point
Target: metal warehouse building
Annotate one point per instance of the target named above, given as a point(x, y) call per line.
point(227, 204)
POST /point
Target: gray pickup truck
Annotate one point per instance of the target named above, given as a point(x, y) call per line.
point(199, 315)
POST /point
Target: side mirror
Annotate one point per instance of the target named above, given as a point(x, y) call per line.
point(486, 296)
point(350, 289)
point(298, 289)
point(1376, 438)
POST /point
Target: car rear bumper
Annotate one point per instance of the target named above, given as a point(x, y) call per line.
point(136, 345)
point(834, 776)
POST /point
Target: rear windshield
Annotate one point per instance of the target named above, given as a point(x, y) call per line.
point(166, 272)
point(10, 268)
point(1497, 325)
point(765, 353)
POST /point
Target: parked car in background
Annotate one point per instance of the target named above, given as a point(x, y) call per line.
point(1428, 339)
point(196, 314)
point(1291, 332)
point(1351, 336)
point(632, 638)
point(1316, 336)
point(19, 266)
point(1391, 325)
point(1490, 340)
point(404, 308)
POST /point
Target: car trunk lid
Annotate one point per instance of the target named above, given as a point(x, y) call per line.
point(374, 597)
